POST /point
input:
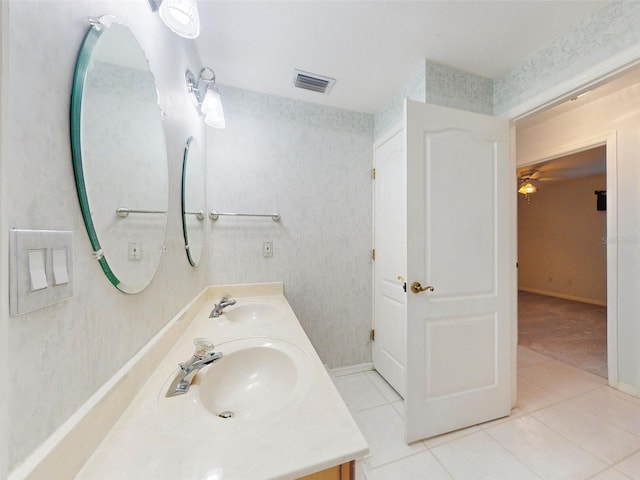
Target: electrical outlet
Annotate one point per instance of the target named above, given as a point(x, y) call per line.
point(267, 249)
point(135, 251)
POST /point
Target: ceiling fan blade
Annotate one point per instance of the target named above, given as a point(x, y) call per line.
point(573, 172)
point(552, 179)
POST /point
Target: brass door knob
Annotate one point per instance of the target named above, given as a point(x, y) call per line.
point(417, 288)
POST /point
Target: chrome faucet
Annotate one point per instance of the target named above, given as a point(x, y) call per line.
point(203, 356)
point(224, 302)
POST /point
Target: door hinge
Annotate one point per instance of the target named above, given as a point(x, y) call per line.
point(373, 254)
point(373, 173)
point(372, 335)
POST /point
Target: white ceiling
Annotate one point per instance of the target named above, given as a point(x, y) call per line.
point(372, 47)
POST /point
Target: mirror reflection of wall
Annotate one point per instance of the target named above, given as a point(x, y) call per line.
point(193, 201)
point(120, 155)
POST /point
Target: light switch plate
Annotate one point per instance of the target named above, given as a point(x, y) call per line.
point(22, 298)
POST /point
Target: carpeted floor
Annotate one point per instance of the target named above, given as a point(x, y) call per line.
point(569, 331)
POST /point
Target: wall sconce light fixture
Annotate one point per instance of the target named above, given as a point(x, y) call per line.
point(206, 94)
point(181, 16)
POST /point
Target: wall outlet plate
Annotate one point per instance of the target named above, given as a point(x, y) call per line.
point(135, 251)
point(267, 249)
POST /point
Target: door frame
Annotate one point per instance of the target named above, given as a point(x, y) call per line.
point(610, 141)
point(593, 77)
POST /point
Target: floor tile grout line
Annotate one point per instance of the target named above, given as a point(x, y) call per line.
point(442, 465)
point(623, 460)
point(531, 467)
point(556, 402)
point(399, 459)
point(600, 387)
point(509, 452)
point(607, 463)
point(616, 470)
point(592, 415)
point(378, 389)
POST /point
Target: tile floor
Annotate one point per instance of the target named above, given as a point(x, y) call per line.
point(568, 425)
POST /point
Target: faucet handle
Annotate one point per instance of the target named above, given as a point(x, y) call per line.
point(204, 347)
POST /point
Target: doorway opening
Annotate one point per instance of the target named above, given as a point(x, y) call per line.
point(562, 259)
point(577, 125)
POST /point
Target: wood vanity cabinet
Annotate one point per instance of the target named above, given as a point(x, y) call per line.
point(346, 471)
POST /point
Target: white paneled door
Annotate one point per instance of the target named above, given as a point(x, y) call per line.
point(458, 224)
point(389, 347)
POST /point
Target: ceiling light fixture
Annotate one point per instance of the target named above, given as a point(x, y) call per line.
point(527, 187)
point(207, 96)
point(181, 16)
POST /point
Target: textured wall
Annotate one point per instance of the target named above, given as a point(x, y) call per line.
point(608, 31)
point(312, 164)
point(439, 85)
point(562, 246)
point(60, 355)
point(454, 88)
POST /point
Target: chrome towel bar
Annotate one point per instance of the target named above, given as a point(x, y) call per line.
point(213, 215)
point(124, 212)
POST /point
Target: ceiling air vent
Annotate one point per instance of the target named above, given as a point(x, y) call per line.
point(313, 81)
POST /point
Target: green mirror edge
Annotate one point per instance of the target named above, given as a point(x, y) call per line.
point(77, 90)
point(183, 203)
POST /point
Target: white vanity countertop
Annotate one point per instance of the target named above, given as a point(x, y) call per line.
point(177, 438)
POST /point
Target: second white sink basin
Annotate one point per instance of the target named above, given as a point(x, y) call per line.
point(256, 377)
point(252, 311)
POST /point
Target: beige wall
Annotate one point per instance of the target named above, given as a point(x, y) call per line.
point(561, 241)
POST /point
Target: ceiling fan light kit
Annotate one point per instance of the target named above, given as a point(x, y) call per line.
point(527, 187)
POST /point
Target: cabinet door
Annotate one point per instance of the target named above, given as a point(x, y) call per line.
point(346, 471)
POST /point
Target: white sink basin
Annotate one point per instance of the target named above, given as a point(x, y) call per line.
point(256, 377)
point(252, 311)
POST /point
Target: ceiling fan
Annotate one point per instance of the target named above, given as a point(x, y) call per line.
point(580, 164)
point(529, 180)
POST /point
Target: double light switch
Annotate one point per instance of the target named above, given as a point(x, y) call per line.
point(40, 269)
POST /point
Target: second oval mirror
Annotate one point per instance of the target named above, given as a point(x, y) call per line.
point(193, 201)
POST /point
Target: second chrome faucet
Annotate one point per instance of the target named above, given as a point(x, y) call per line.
point(224, 302)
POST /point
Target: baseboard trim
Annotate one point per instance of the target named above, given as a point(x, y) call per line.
point(626, 388)
point(351, 370)
point(591, 301)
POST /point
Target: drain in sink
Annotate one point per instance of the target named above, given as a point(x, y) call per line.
point(226, 414)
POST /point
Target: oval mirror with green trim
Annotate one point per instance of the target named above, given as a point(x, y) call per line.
point(193, 201)
point(119, 155)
